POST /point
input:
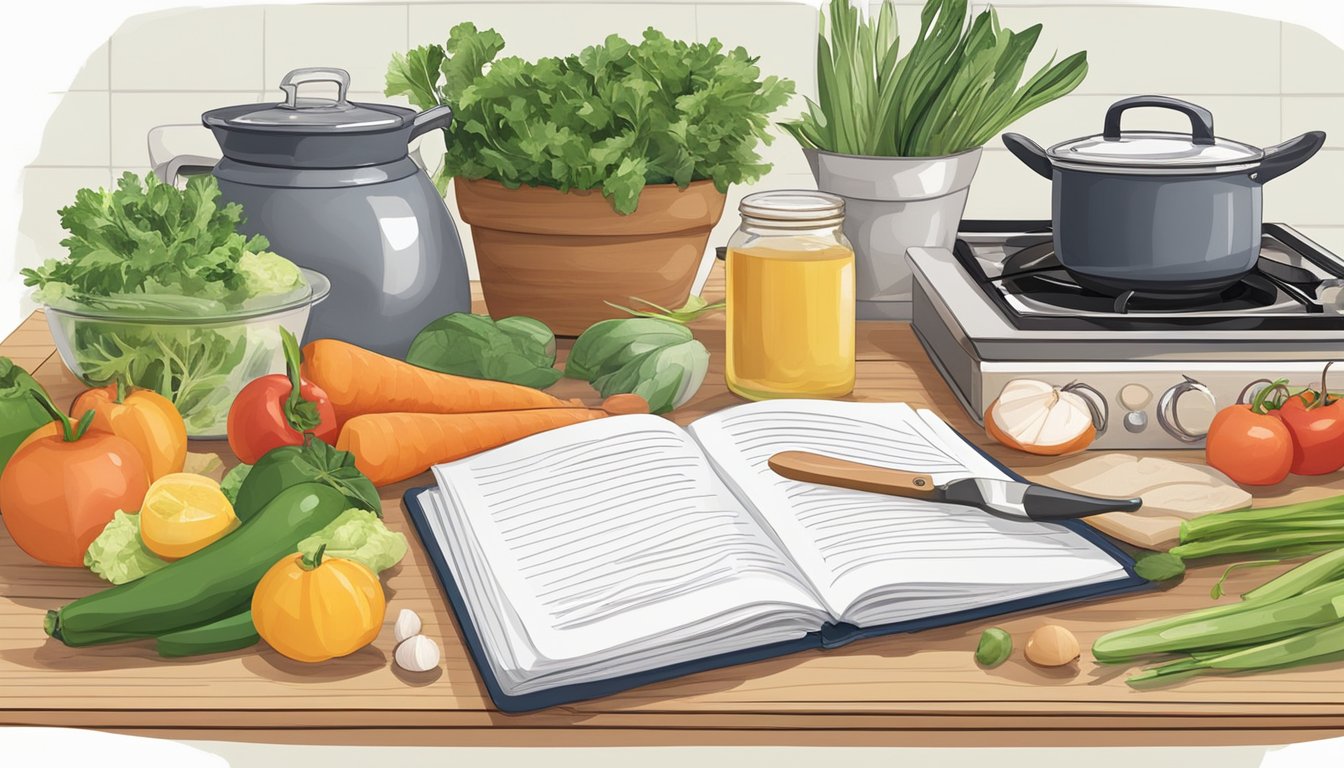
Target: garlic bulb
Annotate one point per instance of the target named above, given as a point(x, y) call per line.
point(417, 654)
point(1040, 418)
point(407, 625)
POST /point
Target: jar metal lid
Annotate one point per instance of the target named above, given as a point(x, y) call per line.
point(797, 206)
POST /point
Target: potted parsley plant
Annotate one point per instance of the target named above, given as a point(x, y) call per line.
point(596, 176)
point(900, 136)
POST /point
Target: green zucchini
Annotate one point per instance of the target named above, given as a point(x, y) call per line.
point(211, 584)
point(228, 634)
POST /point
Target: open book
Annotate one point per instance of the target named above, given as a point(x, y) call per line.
point(610, 549)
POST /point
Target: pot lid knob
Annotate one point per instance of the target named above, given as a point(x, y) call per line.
point(296, 77)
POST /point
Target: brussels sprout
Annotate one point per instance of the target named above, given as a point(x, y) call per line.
point(996, 645)
point(666, 377)
point(611, 344)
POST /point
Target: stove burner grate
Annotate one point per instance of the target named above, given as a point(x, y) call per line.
point(1032, 289)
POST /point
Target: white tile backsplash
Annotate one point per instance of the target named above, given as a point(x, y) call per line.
point(93, 76)
point(1315, 113)
point(1141, 49)
point(1004, 188)
point(77, 132)
point(198, 49)
point(1308, 196)
point(133, 114)
point(1311, 63)
point(357, 38)
point(1264, 81)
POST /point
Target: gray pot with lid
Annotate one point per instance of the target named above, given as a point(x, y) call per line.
point(330, 184)
point(1156, 211)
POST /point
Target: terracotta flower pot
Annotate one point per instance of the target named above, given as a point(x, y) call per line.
point(558, 256)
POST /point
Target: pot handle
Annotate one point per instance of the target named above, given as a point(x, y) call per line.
point(296, 77)
point(1282, 158)
point(1201, 119)
point(1029, 152)
point(436, 117)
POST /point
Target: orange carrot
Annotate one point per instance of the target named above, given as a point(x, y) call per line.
point(361, 382)
point(389, 447)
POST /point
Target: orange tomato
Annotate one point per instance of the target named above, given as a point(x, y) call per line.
point(1249, 446)
point(57, 494)
point(145, 419)
point(315, 609)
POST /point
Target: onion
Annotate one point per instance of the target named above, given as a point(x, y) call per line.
point(1040, 418)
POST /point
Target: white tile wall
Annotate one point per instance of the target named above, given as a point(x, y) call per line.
point(357, 38)
point(134, 113)
point(1264, 81)
point(223, 46)
point(1311, 64)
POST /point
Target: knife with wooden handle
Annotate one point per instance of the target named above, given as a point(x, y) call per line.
point(1008, 498)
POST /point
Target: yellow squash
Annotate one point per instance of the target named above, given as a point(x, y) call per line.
point(145, 419)
point(314, 610)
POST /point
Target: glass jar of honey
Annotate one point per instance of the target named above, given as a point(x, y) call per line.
point(790, 297)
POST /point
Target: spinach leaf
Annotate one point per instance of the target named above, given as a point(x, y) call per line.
point(518, 350)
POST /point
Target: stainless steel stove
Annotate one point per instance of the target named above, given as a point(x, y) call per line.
point(999, 307)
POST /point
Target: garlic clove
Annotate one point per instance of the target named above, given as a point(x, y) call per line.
point(1052, 646)
point(417, 654)
point(406, 626)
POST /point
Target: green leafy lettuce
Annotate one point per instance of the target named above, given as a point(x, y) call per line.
point(233, 481)
point(149, 253)
point(118, 555)
point(518, 350)
point(615, 116)
point(147, 238)
point(358, 534)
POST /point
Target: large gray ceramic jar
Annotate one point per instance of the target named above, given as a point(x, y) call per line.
point(330, 184)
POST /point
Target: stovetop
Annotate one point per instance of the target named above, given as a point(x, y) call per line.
point(1295, 285)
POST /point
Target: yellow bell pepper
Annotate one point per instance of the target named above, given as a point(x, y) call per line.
point(316, 609)
point(145, 419)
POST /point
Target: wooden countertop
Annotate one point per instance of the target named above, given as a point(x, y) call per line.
point(911, 690)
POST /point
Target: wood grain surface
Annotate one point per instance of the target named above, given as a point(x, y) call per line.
point(920, 689)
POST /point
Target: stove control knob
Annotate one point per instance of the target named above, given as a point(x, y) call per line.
point(1136, 421)
point(1186, 410)
point(1135, 397)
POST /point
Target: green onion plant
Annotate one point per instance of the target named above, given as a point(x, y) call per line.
point(958, 85)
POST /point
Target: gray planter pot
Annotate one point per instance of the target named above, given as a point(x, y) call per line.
point(891, 204)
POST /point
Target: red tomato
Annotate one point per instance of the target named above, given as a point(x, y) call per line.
point(278, 410)
point(1249, 446)
point(1317, 432)
point(258, 421)
point(58, 495)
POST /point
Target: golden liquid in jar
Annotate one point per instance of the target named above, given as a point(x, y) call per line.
point(791, 321)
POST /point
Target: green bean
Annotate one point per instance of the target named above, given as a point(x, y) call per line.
point(1212, 526)
point(1244, 623)
point(1312, 573)
point(1303, 648)
point(1259, 542)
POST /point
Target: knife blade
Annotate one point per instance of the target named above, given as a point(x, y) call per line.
point(1006, 498)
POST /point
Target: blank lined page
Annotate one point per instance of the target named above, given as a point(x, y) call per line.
point(616, 530)
point(852, 543)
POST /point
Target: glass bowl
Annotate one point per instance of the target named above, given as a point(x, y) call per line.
point(191, 351)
